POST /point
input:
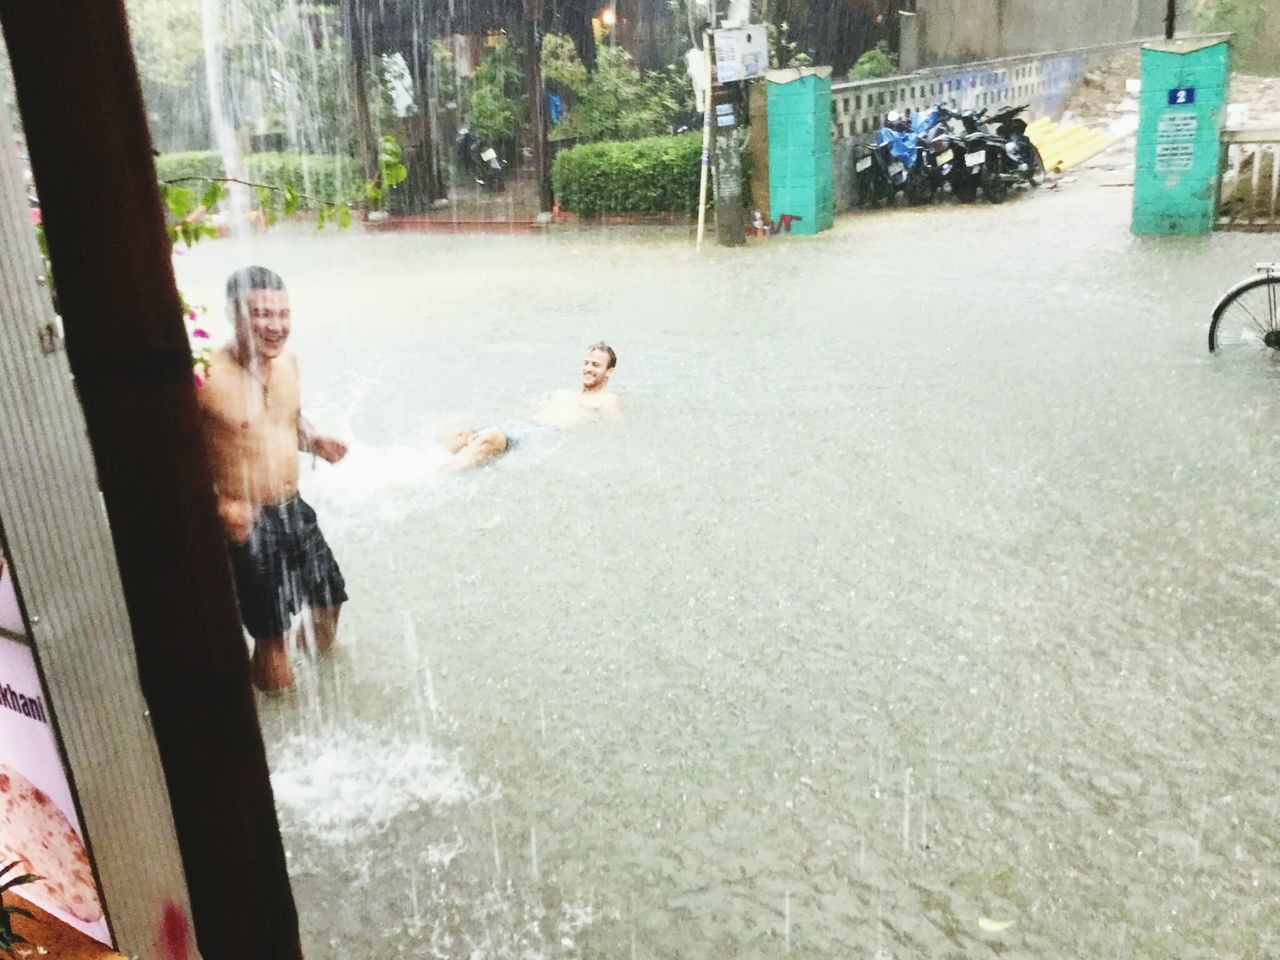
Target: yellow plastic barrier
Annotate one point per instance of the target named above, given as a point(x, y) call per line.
point(1051, 153)
point(1086, 151)
point(1059, 135)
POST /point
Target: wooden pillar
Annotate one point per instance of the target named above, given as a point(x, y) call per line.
point(86, 131)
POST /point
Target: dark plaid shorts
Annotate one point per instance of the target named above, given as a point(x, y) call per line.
point(284, 567)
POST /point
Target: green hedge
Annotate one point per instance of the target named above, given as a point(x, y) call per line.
point(653, 175)
point(325, 178)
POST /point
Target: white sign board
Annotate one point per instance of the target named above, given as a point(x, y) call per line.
point(742, 53)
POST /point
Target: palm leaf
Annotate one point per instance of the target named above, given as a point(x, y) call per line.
point(16, 881)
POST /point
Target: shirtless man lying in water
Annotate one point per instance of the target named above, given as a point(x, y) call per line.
point(562, 410)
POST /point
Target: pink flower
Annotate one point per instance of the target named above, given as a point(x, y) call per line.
point(36, 219)
point(201, 334)
point(192, 316)
point(195, 375)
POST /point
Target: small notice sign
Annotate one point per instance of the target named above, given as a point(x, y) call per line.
point(1177, 127)
point(728, 69)
point(1171, 157)
point(1180, 96)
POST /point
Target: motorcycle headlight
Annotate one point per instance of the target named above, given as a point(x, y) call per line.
point(1011, 149)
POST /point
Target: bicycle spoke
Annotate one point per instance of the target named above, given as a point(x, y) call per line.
point(1257, 324)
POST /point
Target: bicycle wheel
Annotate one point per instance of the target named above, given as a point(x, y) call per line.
point(1247, 319)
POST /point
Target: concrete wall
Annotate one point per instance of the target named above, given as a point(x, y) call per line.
point(956, 31)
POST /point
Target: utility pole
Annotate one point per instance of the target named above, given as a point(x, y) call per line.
point(1171, 19)
point(77, 88)
point(726, 156)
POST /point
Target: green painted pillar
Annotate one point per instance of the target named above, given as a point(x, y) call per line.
point(1181, 111)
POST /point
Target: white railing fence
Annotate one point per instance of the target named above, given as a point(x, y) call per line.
point(1249, 180)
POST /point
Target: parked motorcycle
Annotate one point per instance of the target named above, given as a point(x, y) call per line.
point(973, 146)
point(891, 164)
point(874, 176)
point(939, 152)
point(1017, 160)
point(481, 161)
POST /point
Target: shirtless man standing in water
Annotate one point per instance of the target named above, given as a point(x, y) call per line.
point(254, 427)
point(562, 410)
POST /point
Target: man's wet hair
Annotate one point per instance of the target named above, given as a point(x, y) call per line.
point(247, 279)
point(605, 348)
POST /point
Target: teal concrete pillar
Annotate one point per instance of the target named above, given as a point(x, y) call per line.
point(800, 182)
point(1181, 111)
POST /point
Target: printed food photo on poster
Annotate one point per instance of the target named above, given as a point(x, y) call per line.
point(39, 827)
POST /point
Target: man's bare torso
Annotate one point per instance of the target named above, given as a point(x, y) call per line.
point(252, 432)
point(569, 408)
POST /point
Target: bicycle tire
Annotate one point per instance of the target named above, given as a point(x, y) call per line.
point(1247, 318)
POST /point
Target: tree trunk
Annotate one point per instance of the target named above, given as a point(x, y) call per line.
point(537, 101)
point(354, 28)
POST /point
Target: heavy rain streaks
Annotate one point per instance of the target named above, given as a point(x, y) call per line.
point(919, 603)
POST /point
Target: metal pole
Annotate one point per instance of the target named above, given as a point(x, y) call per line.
point(1171, 19)
point(90, 149)
point(706, 143)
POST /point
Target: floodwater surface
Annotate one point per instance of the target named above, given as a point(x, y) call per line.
point(921, 605)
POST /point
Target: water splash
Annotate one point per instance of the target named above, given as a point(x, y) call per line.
point(348, 785)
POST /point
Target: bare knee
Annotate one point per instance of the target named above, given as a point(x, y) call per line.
point(491, 443)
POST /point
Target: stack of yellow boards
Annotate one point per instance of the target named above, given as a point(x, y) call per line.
point(1063, 146)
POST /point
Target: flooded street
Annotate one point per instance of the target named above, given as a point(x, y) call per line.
point(922, 604)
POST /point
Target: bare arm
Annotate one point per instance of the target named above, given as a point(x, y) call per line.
point(329, 449)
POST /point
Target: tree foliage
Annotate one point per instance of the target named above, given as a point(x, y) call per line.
point(620, 102)
point(562, 69)
point(496, 103)
point(167, 39)
point(1256, 25)
point(875, 63)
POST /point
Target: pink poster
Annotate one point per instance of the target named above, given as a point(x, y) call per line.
point(38, 821)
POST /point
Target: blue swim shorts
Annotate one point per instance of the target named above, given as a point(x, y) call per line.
point(523, 431)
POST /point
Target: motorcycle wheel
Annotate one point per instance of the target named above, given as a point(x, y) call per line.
point(872, 190)
point(994, 187)
point(965, 188)
point(919, 189)
point(1037, 177)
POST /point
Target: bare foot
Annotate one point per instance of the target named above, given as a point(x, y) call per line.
point(270, 669)
point(457, 440)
